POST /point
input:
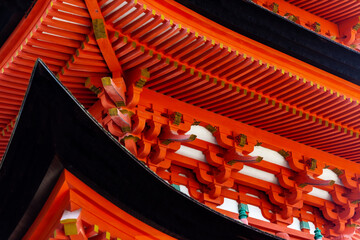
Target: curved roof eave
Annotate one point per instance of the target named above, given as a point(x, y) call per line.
point(52, 124)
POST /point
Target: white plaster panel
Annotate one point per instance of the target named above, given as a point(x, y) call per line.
point(295, 224)
point(317, 192)
point(191, 153)
point(229, 205)
point(330, 175)
point(202, 133)
point(270, 156)
point(255, 212)
point(259, 174)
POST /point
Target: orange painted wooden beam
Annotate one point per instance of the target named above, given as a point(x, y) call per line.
point(271, 140)
point(70, 194)
point(204, 26)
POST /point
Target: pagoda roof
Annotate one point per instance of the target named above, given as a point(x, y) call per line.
point(335, 11)
point(196, 61)
point(286, 36)
point(55, 132)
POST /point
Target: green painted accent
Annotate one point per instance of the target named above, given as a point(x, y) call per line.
point(237, 89)
point(339, 128)
point(326, 123)
point(313, 118)
point(252, 94)
point(177, 187)
point(318, 235)
point(242, 214)
point(183, 68)
point(286, 108)
point(215, 80)
point(258, 143)
point(259, 97)
point(176, 64)
point(303, 185)
point(133, 44)
point(273, 102)
point(82, 45)
point(320, 120)
point(307, 116)
point(245, 92)
point(222, 83)
point(99, 28)
point(243, 208)
point(304, 225)
point(87, 38)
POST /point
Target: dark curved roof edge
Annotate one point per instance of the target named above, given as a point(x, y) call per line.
point(54, 131)
point(264, 26)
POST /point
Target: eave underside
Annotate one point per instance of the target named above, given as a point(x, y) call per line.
point(183, 65)
point(72, 139)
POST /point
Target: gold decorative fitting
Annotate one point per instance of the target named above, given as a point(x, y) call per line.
point(99, 28)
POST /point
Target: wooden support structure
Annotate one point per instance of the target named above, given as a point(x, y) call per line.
point(273, 132)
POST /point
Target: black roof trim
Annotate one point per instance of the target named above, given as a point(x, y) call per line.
point(53, 126)
point(262, 25)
